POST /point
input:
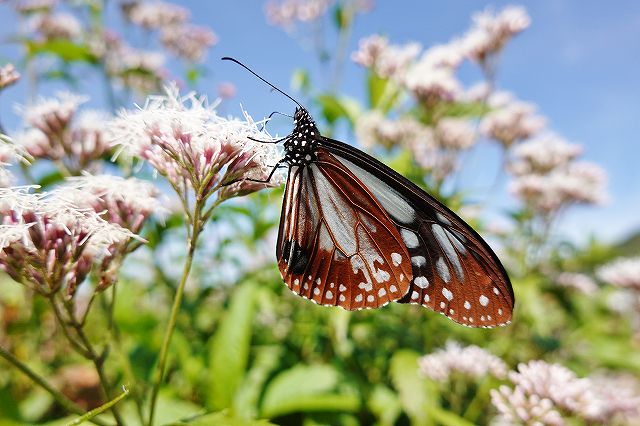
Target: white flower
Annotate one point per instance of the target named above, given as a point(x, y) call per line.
point(385, 59)
point(431, 84)
point(189, 42)
point(624, 272)
point(155, 14)
point(372, 129)
point(8, 76)
point(287, 12)
point(52, 115)
point(542, 154)
point(510, 120)
point(186, 141)
point(455, 133)
point(490, 32)
point(60, 25)
point(126, 202)
point(580, 282)
point(471, 361)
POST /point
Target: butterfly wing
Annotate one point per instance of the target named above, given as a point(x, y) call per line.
point(337, 245)
point(455, 272)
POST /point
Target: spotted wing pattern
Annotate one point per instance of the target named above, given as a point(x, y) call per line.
point(454, 271)
point(337, 245)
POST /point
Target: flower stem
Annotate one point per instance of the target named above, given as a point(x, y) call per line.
point(91, 414)
point(65, 402)
point(177, 301)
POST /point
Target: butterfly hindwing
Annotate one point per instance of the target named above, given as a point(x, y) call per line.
point(337, 245)
point(454, 271)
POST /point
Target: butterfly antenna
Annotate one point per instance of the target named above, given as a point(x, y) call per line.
point(227, 58)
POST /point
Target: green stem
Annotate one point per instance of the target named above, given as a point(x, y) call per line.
point(91, 414)
point(65, 402)
point(177, 301)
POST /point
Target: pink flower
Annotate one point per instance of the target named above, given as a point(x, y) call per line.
point(384, 59)
point(624, 272)
point(8, 76)
point(510, 120)
point(189, 42)
point(287, 12)
point(490, 32)
point(542, 155)
point(470, 361)
point(60, 25)
point(187, 142)
point(155, 14)
point(581, 282)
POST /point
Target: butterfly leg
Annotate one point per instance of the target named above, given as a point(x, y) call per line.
point(278, 165)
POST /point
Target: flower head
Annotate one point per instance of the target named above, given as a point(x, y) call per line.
point(48, 243)
point(490, 32)
point(8, 76)
point(52, 115)
point(542, 155)
point(189, 42)
point(126, 202)
point(510, 120)
point(384, 59)
point(470, 361)
point(287, 12)
point(581, 282)
point(188, 143)
point(154, 14)
point(622, 273)
point(60, 25)
point(542, 391)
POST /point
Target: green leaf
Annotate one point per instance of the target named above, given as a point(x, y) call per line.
point(50, 179)
point(334, 108)
point(229, 348)
point(66, 50)
point(447, 418)
point(411, 387)
point(220, 419)
point(306, 388)
point(300, 80)
point(376, 87)
point(245, 405)
point(384, 403)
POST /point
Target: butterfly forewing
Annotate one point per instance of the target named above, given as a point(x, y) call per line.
point(337, 245)
point(454, 271)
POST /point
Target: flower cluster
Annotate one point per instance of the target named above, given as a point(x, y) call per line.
point(287, 12)
point(490, 32)
point(187, 142)
point(8, 76)
point(384, 59)
point(9, 154)
point(48, 243)
point(580, 282)
point(623, 273)
point(509, 120)
point(544, 393)
point(60, 25)
point(186, 41)
point(547, 178)
point(470, 361)
point(56, 131)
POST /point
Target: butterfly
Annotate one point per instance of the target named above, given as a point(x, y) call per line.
point(356, 234)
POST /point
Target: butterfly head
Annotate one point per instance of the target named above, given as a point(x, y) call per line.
point(300, 147)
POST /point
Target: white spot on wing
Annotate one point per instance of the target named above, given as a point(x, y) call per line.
point(358, 298)
point(444, 242)
point(396, 258)
point(382, 292)
point(316, 291)
point(342, 298)
point(418, 261)
point(329, 295)
point(370, 298)
point(393, 288)
point(443, 270)
point(442, 218)
point(447, 293)
point(414, 295)
point(484, 300)
point(467, 305)
point(342, 288)
point(426, 298)
point(410, 238)
point(421, 282)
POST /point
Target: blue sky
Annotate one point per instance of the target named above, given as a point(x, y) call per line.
point(579, 62)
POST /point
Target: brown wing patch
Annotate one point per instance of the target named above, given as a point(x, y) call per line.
point(337, 246)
